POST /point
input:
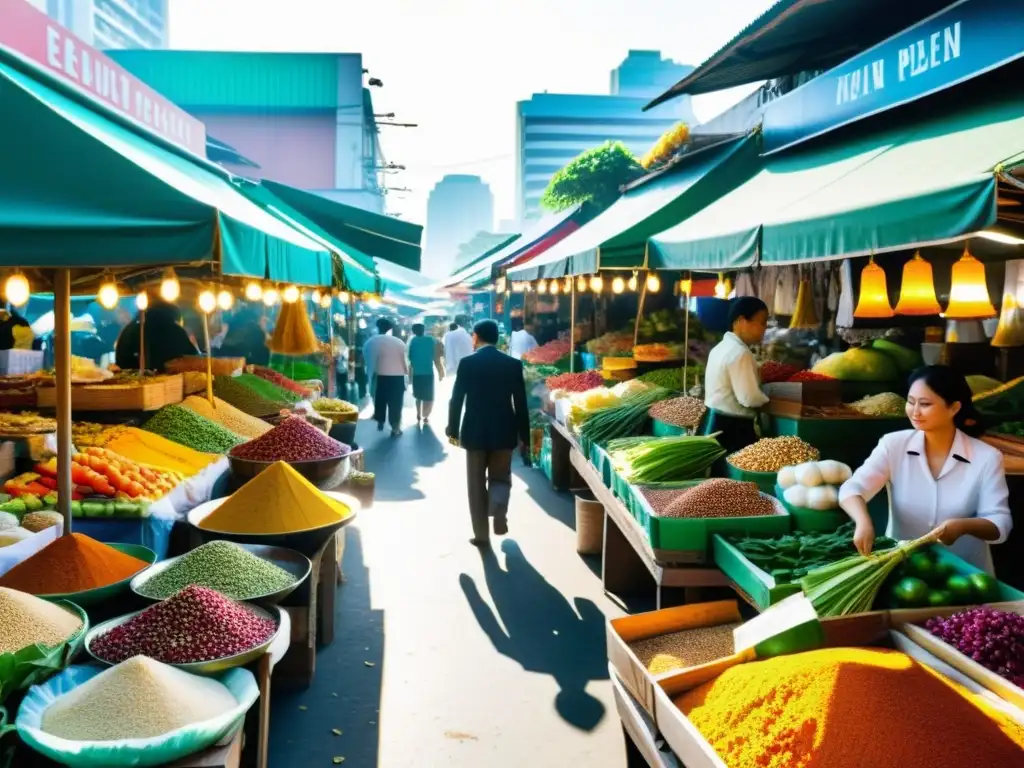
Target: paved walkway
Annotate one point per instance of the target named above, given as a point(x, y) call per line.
point(445, 657)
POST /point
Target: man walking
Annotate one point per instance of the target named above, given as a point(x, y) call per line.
point(457, 344)
point(385, 356)
point(490, 385)
point(424, 358)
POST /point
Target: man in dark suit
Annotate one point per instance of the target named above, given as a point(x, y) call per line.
point(490, 385)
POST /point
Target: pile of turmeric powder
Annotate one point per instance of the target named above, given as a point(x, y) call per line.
point(849, 708)
point(156, 451)
point(224, 413)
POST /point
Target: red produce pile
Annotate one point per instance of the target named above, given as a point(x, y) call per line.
point(994, 639)
point(810, 376)
point(773, 371)
point(294, 439)
point(575, 382)
point(548, 354)
point(281, 380)
point(197, 624)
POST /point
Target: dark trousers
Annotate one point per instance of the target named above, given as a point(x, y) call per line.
point(736, 433)
point(388, 399)
point(489, 479)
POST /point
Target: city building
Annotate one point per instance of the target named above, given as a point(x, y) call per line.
point(304, 118)
point(553, 128)
point(107, 24)
point(458, 207)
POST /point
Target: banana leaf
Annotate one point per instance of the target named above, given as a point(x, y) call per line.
point(23, 669)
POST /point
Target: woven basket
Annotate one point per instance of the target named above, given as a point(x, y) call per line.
point(589, 526)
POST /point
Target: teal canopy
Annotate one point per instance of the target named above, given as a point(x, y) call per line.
point(617, 238)
point(79, 190)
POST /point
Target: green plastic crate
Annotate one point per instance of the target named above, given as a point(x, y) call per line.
point(758, 585)
point(603, 462)
point(765, 480)
point(663, 429)
point(850, 441)
point(812, 520)
point(545, 457)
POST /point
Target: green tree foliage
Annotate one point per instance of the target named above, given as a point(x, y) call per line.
point(593, 177)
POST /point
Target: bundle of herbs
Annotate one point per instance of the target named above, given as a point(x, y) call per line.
point(624, 420)
point(664, 459)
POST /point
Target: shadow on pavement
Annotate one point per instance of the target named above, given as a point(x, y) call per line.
point(545, 633)
point(345, 694)
point(397, 460)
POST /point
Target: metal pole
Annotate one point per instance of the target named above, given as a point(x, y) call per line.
point(686, 342)
point(142, 341)
point(639, 314)
point(62, 363)
point(572, 328)
point(353, 388)
point(209, 358)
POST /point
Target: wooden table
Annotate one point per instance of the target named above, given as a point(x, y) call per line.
point(563, 442)
point(644, 746)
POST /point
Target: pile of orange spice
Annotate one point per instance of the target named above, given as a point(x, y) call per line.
point(72, 563)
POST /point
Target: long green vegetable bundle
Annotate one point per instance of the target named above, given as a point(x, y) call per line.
point(664, 459)
point(623, 420)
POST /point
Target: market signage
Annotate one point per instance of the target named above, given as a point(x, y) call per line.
point(963, 41)
point(33, 36)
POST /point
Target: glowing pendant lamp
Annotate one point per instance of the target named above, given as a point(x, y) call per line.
point(542, 287)
point(597, 283)
point(553, 288)
point(917, 294)
point(653, 282)
point(567, 285)
point(968, 293)
point(686, 285)
point(581, 284)
point(633, 282)
point(874, 294)
point(618, 285)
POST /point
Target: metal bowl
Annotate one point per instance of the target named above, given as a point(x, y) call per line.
point(307, 542)
point(293, 562)
point(199, 667)
point(319, 471)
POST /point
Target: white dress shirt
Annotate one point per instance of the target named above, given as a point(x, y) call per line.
point(385, 356)
point(457, 345)
point(731, 383)
point(520, 343)
point(972, 483)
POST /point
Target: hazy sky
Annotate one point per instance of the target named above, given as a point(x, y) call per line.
point(457, 67)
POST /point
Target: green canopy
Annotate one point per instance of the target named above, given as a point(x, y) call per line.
point(617, 237)
point(78, 189)
point(382, 237)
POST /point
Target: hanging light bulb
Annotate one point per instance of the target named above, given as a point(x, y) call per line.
point(874, 294)
point(225, 299)
point(567, 285)
point(686, 285)
point(291, 294)
point(142, 301)
point(362, 323)
point(633, 282)
point(270, 297)
point(597, 283)
point(343, 297)
point(207, 301)
point(721, 289)
point(581, 284)
point(316, 296)
point(917, 293)
point(253, 291)
point(170, 288)
point(16, 289)
point(542, 287)
point(325, 301)
point(653, 282)
point(968, 292)
point(108, 295)
point(554, 287)
point(618, 285)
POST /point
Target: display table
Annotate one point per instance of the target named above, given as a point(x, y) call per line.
point(563, 475)
point(643, 744)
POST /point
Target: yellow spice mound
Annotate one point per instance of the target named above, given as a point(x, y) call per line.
point(156, 451)
point(277, 500)
point(848, 708)
point(229, 417)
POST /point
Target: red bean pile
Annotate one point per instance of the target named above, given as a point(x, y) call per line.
point(773, 371)
point(810, 376)
point(718, 497)
point(294, 439)
point(197, 624)
point(575, 382)
point(281, 380)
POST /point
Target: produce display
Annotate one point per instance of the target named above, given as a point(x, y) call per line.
point(686, 648)
point(110, 474)
point(623, 420)
point(87, 433)
point(575, 382)
point(906, 360)
point(336, 410)
point(27, 620)
point(770, 454)
point(294, 439)
point(679, 411)
point(280, 380)
point(278, 500)
point(238, 393)
point(667, 378)
point(533, 373)
point(293, 332)
point(548, 354)
point(40, 521)
point(152, 450)
point(848, 708)
point(718, 497)
point(196, 624)
point(1014, 428)
point(665, 323)
point(586, 404)
point(810, 376)
point(993, 638)
point(662, 459)
point(222, 566)
point(791, 557)
point(658, 352)
point(192, 430)
point(222, 412)
point(982, 384)
point(881, 405)
point(12, 536)
point(773, 371)
point(73, 563)
point(925, 580)
point(1004, 402)
point(615, 343)
point(8, 520)
point(13, 424)
point(859, 364)
point(137, 699)
point(813, 484)
point(220, 366)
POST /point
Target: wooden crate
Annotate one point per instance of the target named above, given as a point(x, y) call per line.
point(149, 395)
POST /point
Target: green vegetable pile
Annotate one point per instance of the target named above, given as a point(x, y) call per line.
point(535, 373)
point(663, 459)
point(223, 566)
point(239, 392)
point(669, 378)
point(1015, 428)
point(791, 557)
point(625, 420)
point(925, 580)
point(190, 429)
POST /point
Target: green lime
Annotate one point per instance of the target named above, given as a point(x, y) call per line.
point(961, 589)
point(910, 592)
point(937, 598)
point(921, 566)
point(986, 588)
point(943, 570)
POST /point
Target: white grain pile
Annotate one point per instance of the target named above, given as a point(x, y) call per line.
point(138, 699)
point(27, 620)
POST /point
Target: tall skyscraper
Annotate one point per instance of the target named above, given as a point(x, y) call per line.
point(109, 24)
point(459, 206)
point(553, 128)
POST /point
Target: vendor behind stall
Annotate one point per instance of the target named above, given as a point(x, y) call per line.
point(732, 389)
point(165, 338)
point(940, 477)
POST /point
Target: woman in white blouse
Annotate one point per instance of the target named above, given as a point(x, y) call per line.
point(939, 477)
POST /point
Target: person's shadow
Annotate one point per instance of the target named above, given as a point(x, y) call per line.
point(545, 634)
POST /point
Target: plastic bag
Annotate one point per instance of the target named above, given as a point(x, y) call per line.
point(129, 752)
point(31, 665)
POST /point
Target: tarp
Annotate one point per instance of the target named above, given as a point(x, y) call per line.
point(617, 237)
point(382, 237)
point(78, 189)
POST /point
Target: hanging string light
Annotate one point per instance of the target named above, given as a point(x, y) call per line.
point(270, 297)
point(225, 299)
point(633, 283)
point(686, 286)
point(553, 288)
point(343, 297)
point(597, 283)
point(16, 289)
point(207, 301)
point(618, 285)
point(170, 288)
point(325, 301)
point(291, 294)
point(968, 292)
point(581, 284)
point(142, 301)
point(653, 282)
point(873, 302)
point(542, 287)
point(108, 294)
point(253, 291)
point(316, 296)
point(721, 288)
point(917, 292)
point(567, 285)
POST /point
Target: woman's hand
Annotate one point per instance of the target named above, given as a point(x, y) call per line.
point(949, 531)
point(864, 537)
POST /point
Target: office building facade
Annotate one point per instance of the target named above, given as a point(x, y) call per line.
point(458, 208)
point(108, 24)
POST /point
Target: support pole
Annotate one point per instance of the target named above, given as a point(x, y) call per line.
point(351, 328)
point(572, 328)
point(686, 342)
point(142, 341)
point(62, 363)
point(209, 358)
point(639, 313)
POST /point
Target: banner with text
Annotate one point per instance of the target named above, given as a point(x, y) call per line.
point(963, 41)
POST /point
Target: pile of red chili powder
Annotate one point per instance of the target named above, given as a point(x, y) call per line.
point(197, 624)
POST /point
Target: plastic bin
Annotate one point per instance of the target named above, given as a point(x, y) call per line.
point(765, 480)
